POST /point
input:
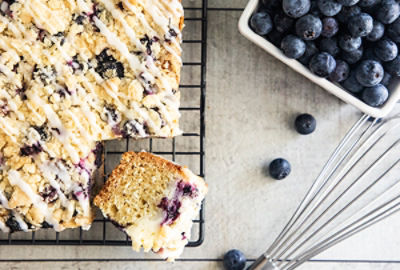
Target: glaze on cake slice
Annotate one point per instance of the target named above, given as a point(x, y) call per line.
point(74, 73)
point(154, 201)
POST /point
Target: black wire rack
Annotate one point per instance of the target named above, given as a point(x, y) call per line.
point(187, 149)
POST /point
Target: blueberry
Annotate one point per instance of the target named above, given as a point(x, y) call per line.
point(347, 12)
point(341, 71)
point(296, 8)
point(111, 115)
point(386, 79)
point(393, 67)
point(271, 5)
point(261, 23)
point(131, 128)
point(30, 150)
point(98, 153)
point(369, 73)
point(353, 56)
point(42, 132)
point(108, 67)
point(376, 95)
point(348, 3)
point(279, 168)
point(293, 47)
point(234, 260)
point(322, 64)
point(349, 43)
point(329, 45)
point(377, 32)
point(275, 37)
point(386, 49)
point(311, 50)
point(388, 11)
point(46, 225)
point(309, 27)
point(305, 124)
point(352, 85)
point(283, 23)
point(13, 224)
point(368, 3)
point(329, 27)
point(369, 54)
point(360, 25)
point(329, 7)
point(393, 31)
point(49, 194)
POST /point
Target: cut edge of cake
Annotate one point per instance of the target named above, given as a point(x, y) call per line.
point(154, 201)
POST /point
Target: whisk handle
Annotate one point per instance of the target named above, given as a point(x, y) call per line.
point(263, 263)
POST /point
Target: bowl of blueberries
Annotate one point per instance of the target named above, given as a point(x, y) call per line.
point(348, 47)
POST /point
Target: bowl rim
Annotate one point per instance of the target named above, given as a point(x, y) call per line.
point(332, 88)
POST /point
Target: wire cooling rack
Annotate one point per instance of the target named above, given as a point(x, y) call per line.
point(187, 149)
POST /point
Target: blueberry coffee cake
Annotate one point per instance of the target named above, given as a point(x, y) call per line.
point(73, 73)
point(153, 201)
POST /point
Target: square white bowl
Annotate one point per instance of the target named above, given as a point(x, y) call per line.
point(334, 89)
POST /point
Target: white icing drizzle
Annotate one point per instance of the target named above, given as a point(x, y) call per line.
point(10, 26)
point(8, 129)
point(3, 227)
point(119, 16)
point(8, 49)
point(4, 201)
point(15, 179)
point(20, 221)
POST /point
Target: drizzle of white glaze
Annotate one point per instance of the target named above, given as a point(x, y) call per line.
point(15, 179)
point(4, 201)
point(20, 221)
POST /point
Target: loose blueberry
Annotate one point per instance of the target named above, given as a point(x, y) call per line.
point(377, 32)
point(376, 95)
point(279, 168)
point(296, 8)
point(353, 56)
point(349, 43)
point(305, 124)
point(234, 260)
point(322, 64)
point(347, 12)
point(329, 27)
point(369, 73)
point(293, 47)
point(360, 25)
point(283, 23)
point(386, 79)
point(348, 3)
point(368, 3)
point(311, 50)
point(341, 71)
point(261, 23)
point(309, 27)
point(393, 67)
point(329, 7)
point(352, 85)
point(329, 45)
point(108, 67)
point(388, 11)
point(386, 49)
point(393, 31)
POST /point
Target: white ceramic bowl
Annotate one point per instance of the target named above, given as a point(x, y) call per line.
point(334, 89)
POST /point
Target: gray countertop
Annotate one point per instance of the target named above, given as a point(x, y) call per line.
point(252, 100)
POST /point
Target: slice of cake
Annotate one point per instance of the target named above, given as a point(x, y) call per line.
point(73, 73)
point(154, 201)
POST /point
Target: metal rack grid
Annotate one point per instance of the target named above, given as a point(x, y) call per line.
point(102, 231)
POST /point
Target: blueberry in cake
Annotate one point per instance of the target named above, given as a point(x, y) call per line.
point(153, 201)
point(73, 73)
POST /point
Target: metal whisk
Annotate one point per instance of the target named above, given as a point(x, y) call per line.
point(358, 187)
